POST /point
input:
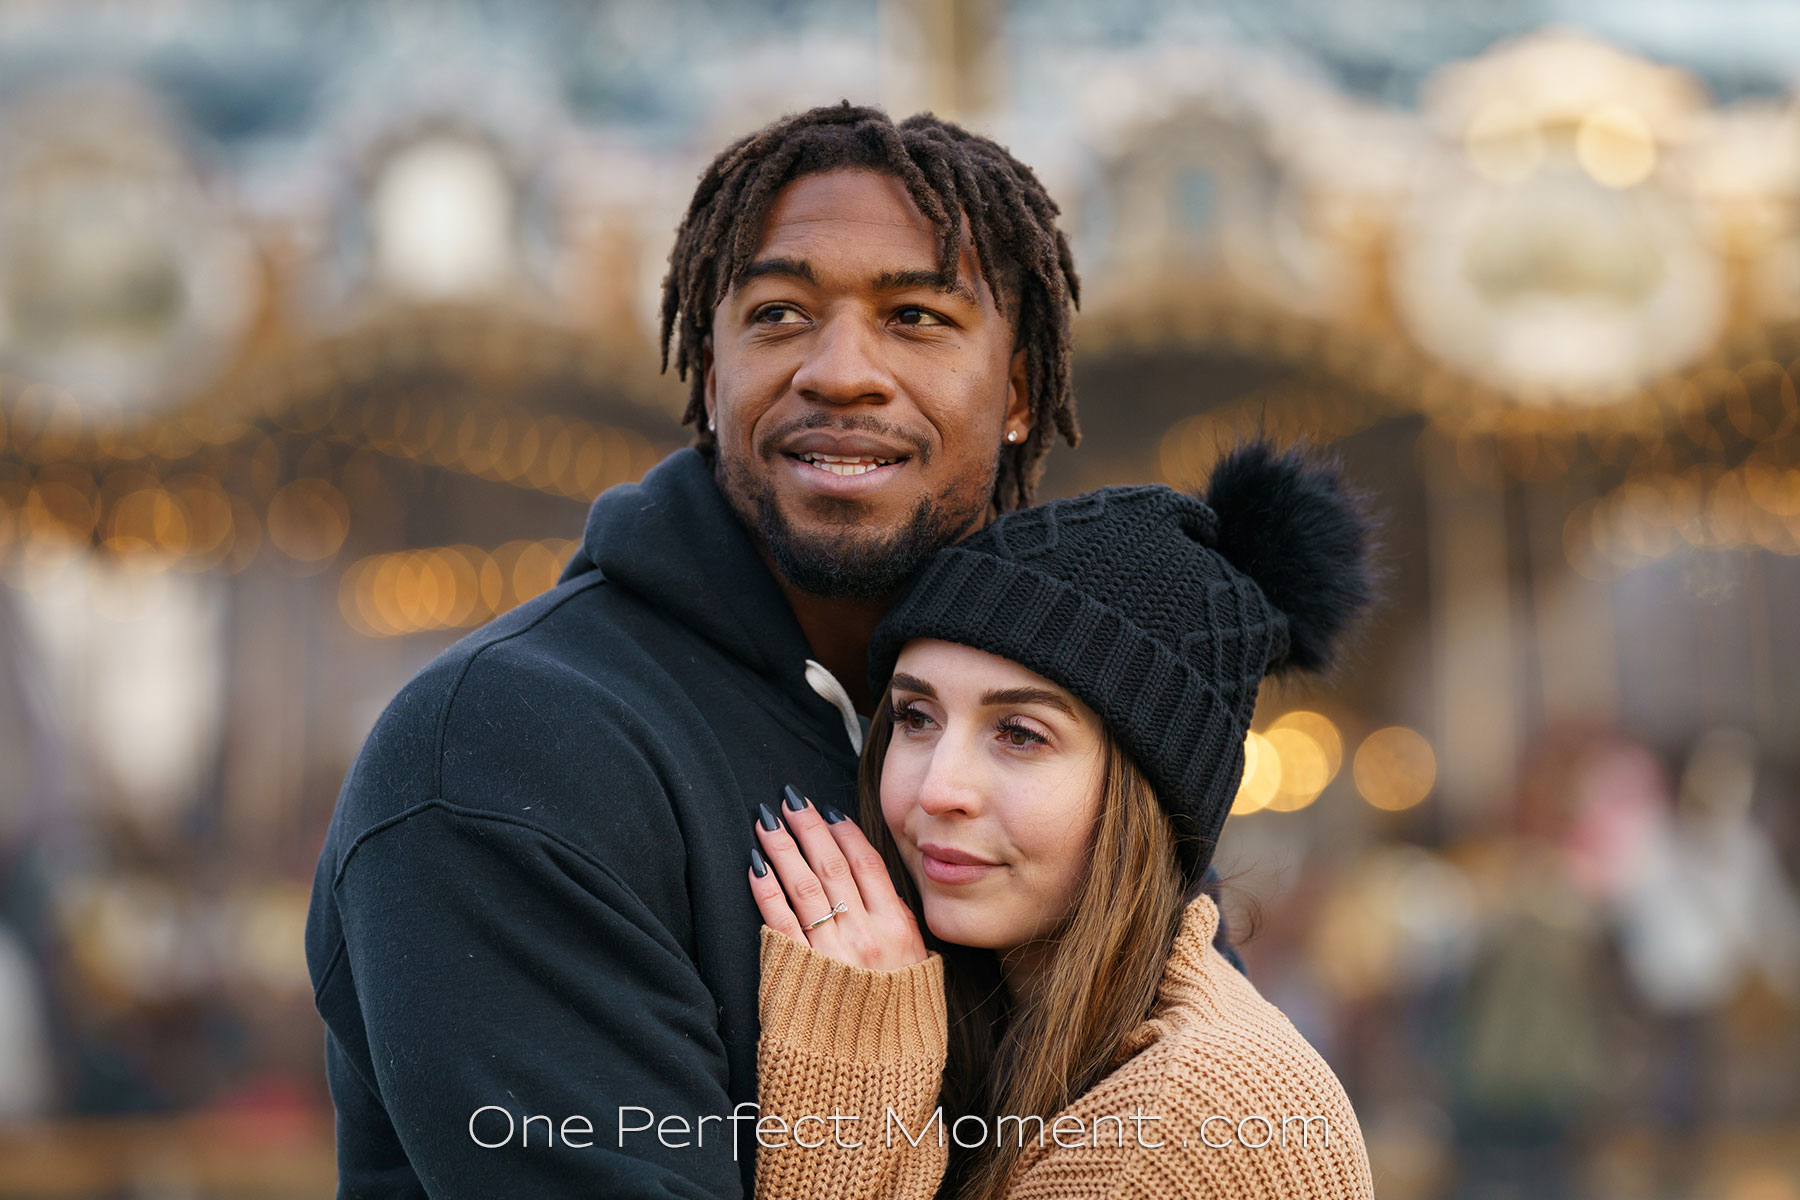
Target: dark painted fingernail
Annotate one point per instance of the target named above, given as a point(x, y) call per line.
point(795, 800)
point(770, 821)
point(758, 863)
point(832, 816)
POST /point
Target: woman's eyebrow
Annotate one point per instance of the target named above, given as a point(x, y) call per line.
point(912, 683)
point(1026, 695)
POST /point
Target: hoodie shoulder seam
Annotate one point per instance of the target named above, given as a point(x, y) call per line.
point(443, 718)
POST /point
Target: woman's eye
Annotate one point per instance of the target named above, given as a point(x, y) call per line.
point(912, 314)
point(777, 314)
point(1019, 735)
point(910, 717)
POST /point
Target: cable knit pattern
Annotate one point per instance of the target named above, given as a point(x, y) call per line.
point(862, 1041)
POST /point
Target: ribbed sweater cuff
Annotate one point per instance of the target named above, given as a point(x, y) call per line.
point(813, 1000)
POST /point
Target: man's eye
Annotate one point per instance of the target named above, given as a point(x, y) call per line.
point(912, 314)
point(777, 314)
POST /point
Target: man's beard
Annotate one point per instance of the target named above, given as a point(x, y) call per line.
point(849, 562)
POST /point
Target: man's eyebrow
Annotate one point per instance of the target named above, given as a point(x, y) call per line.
point(796, 268)
point(894, 281)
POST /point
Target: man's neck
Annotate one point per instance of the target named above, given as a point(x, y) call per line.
point(838, 631)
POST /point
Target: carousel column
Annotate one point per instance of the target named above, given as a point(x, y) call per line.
point(1576, 652)
point(1475, 665)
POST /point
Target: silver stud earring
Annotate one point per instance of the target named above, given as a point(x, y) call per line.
point(712, 426)
point(1012, 435)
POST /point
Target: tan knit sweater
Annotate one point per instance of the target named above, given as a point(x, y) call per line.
point(871, 1044)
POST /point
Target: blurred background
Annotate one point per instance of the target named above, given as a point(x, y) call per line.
point(321, 324)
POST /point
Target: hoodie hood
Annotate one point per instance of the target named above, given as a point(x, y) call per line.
point(674, 541)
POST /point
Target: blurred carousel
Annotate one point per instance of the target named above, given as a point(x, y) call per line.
point(277, 426)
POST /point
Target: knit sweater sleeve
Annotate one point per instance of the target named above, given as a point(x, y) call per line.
point(864, 1046)
point(1256, 1115)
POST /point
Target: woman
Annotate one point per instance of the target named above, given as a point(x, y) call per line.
point(1067, 694)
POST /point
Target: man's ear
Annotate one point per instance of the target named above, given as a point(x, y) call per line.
point(706, 373)
point(1018, 395)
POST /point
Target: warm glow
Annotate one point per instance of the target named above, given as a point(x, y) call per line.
point(308, 520)
point(1305, 768)
point(1262, 776)
point(1394, 768)
point(446, 587)
point(1615, 146)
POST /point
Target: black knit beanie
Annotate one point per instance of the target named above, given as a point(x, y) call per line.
point(1162, 611)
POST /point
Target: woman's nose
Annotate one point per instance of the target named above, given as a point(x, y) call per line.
point(952, 783)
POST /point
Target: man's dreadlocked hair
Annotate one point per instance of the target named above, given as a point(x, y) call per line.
point(947, 171)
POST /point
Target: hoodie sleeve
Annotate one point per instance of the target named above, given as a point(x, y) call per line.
point(508, 1007)
point(848, 1071)
point(524, 1020)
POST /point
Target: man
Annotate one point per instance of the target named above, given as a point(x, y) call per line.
point(531, 938)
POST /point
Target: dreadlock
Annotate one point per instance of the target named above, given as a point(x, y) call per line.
point(950, 173)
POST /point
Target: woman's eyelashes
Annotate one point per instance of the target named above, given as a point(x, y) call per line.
point(1015, 732)
point(906, 716)
point(1011, 730)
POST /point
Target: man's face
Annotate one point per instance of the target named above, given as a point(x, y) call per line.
point(861, 401)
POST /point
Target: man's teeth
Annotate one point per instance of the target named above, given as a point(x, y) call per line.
point(838, 464)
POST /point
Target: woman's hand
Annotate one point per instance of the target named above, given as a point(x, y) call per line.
point(814, 865)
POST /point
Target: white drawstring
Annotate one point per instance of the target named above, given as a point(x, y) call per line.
point(826, 684)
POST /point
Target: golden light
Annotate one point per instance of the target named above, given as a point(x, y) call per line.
point(535, 571)
point(353, 598)
point(308, 520)
point(147, 519)
point(1615, 147)
point(206, 509)
point(58, 511)
point(446, 587)
point(12, 507)
point(559, 461)
point(591, 461)
point(493, 584)
point(1774, 490)
point(1321, 730)
point(1262, 776)
point(465, 583)
point(1310, 750)
point(1394, 768)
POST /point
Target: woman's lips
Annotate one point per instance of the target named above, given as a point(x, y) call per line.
point(939, 871)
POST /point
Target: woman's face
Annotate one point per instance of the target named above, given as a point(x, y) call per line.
point(991, 788)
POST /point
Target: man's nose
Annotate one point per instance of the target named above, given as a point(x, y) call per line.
point(844, 364)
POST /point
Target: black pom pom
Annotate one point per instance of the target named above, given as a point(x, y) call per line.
point(1293, 527)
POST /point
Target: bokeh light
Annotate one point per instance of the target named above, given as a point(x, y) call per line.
point(1394, 768)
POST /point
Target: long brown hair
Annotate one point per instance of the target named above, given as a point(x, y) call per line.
point(1035, 1059)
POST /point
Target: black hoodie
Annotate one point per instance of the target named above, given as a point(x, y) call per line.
point(533, 893)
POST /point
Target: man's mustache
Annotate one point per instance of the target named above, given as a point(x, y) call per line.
point(844, 423)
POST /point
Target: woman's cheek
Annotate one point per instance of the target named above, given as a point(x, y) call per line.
point(898, 790)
